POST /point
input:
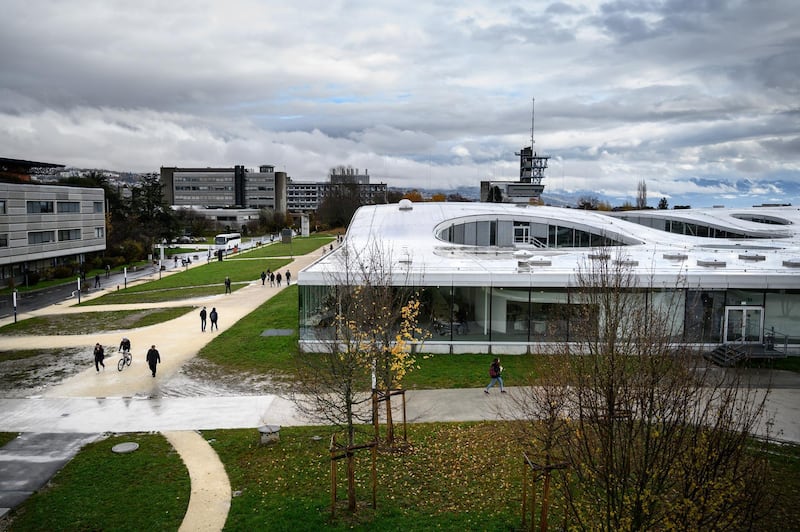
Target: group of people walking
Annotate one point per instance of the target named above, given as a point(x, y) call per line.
point(153, 357)
point(275, 278)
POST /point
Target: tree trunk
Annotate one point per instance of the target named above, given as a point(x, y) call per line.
point(351, 481)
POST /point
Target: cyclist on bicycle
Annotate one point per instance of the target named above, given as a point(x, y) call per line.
point(125, 347)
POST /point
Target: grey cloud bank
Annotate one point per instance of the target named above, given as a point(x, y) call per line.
point(700, 99)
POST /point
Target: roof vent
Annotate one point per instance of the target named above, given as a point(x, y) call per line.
point(599, 256)
point(626, 262)
point(405, 204)
point(713, 263)
point(676, 256)
point(540, 262)
point(792, 263)
point(754, 258)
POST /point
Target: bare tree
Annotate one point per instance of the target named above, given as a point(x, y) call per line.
point(652, 441)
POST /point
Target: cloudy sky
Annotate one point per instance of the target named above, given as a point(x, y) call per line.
point(700, 98)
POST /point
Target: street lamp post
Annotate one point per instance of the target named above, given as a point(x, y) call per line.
point(14, 301)
point(79, 289)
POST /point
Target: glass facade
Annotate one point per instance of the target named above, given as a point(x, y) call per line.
point(524, 315)
point(506, 233)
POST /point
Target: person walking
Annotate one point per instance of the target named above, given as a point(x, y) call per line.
point(495, 372)
point(272, 279)
point(263, 278)
point(214, 317)
point(153, 358)
point(99, 355)
point(97, 280)
point(227, 285)
point(278, 279)
point(203, 320)
point(288, 277)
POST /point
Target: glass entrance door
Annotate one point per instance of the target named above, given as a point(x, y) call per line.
point(744, 324)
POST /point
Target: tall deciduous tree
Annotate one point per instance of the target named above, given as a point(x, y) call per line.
point(652, 440)
point(339, 205)
point(155, 218)
point(641, 195)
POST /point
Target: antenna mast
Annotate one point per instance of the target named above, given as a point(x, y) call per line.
point(533, 112)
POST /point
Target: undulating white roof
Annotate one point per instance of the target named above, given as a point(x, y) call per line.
point(769, 259)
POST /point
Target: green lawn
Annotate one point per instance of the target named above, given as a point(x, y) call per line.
point(199, 281)
point(100, 490)
point(453, 476)
point(299, 246)
point(93, 322)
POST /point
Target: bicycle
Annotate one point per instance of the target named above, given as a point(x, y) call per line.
point(125, 360)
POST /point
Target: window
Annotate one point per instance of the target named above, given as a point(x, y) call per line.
point(2, 206)
point(41, 237)
point(3, 240)
point(69, 206)
point(69, 234)
point(40, 207)
point(99, 232)
point(98, 206)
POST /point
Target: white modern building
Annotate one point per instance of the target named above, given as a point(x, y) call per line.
point(501, 278)
point(42, 226)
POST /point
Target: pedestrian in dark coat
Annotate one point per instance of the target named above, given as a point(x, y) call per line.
point(272, 279)
point(288, 277)
point(278, 278)
point(203, 320)
point(99, 355)
point(227, 285)
point(97, 280)
point(153, 358)
point(263, 278)
point(213, 317)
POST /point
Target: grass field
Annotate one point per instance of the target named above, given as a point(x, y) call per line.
point(92, 322)
point(100, 490)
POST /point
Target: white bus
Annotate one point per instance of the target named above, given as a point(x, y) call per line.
point(227, 241)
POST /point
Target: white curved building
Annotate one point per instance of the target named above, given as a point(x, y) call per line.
point(500, 277)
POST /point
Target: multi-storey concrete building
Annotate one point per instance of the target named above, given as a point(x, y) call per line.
point(307, 197)
point(225, 188)
point(42, 226)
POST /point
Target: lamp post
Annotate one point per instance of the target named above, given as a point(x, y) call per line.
point(14, 302)
point(79, 289)
point(125, 276)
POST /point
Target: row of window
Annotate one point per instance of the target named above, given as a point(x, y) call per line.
point(49, 207)
point(507, 233)
point(44, 237)
point(203, 188)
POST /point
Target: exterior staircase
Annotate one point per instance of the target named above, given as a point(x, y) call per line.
point(726, 355)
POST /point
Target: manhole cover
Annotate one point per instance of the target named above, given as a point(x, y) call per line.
point(127, 447)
